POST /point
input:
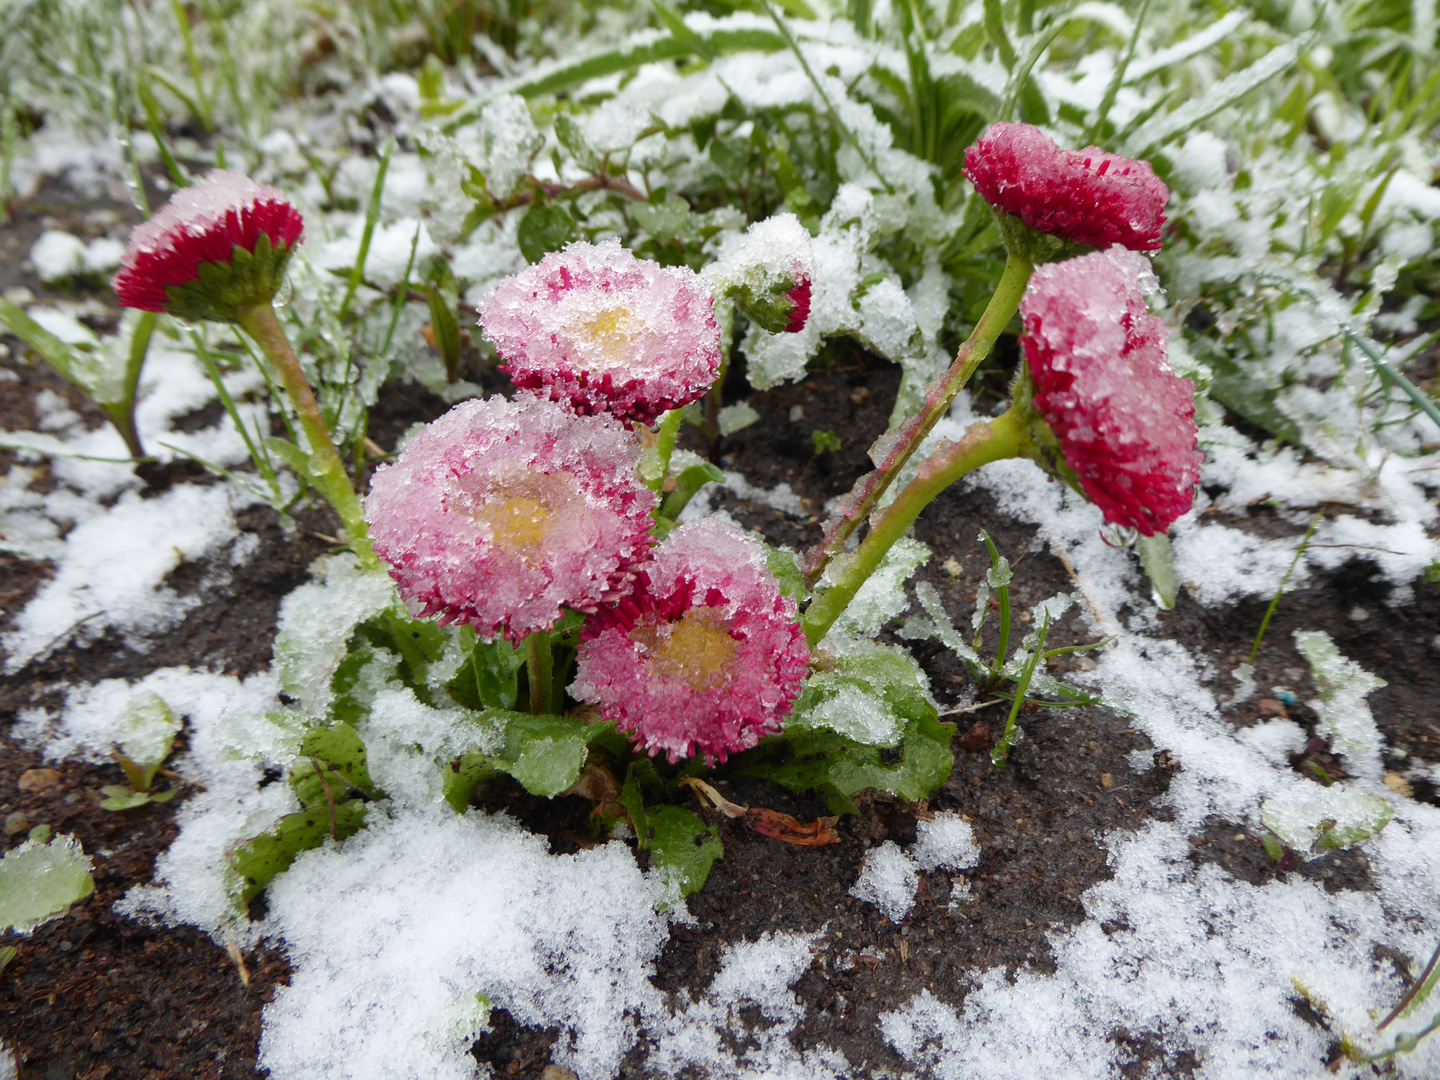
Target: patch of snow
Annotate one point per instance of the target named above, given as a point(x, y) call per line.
point(888, 880)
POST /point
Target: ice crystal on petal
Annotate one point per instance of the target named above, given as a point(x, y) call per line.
point(501, 513)
point(208, 223)
point(1089, 196)
point(705, 656)
point(607, 332)
point(1124, 418)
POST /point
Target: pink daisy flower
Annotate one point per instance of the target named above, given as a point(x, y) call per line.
point(1124, 418)
point(1089, 196)
point(607, 332)
point(213, 249)
point(705, 656)
point(502, 513)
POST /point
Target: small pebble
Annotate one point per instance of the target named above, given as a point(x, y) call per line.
point(1107, 781)
point(952, 567)
point(16, 823)
point(797, 413)
point(557, 1072)
point(860, 395)
point(39, 781)
point(1398, 784)
point(1358, 614)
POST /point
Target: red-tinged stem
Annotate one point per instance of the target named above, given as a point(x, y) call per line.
point(902, 443)
point(327, 471)
point(987, 440)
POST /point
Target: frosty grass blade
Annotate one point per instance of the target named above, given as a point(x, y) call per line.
point(704, 657)
point(594, 326)
point(1124, 418)
point(502, 513)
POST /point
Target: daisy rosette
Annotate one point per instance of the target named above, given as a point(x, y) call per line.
point(1087, 196)
point(768, 271)
point(501, 514)
point(1123, 419)
point(594, 326)
point(704, 657)
point(214, 250)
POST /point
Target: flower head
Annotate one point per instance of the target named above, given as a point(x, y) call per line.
point(705, 656)
point(1088, 196)
point(213, 249)
point(1123, 417)
point(607, 332)
point(501, 513)
point(768, 271)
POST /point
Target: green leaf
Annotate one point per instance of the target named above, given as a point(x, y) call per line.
point(490, 680)
point(260, 859)
point(463, 777)
point(40, 881)
point(687, 484)
point(662, 220)
point(446, 328)
point(289, 453)
point(682, 846)
point(545, 753)
point(868, 696)
point(1158, 560)
point(783, 566)
point(340, 753)
point(146, 732)
point(546, 227)
point(126, 800)
point(846, 727)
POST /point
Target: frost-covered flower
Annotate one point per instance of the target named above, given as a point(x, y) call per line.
point(705, 656)
point(1123, 417)
point(607, 332)
point(212, 250)
point(768, 271)
point(1088, 196)
point(501, 513)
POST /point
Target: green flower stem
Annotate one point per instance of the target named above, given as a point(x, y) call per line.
point(987, 440)
point(539, 667)
point(939, 396)
point(327, 471)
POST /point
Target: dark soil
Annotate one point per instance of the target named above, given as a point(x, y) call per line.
point(96, 995)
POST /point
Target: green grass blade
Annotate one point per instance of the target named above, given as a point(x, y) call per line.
point(372, 216)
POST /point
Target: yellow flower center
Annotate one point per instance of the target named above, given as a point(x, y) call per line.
point(698, 650)
point(606, 338)
point(525, 514)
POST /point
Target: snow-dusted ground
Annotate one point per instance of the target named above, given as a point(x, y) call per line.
point(393, 933)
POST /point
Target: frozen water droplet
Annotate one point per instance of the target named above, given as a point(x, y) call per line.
point(284, 293)
point(1119, 536)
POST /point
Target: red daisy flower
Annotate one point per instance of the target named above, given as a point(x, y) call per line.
point(213, 249)
point(705, 656)
point(1088, 196)
point(1124, 418)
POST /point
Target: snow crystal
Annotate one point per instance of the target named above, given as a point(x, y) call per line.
point(888, 880)
point(57, 255)
point(393, 934)
point(946, 841)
